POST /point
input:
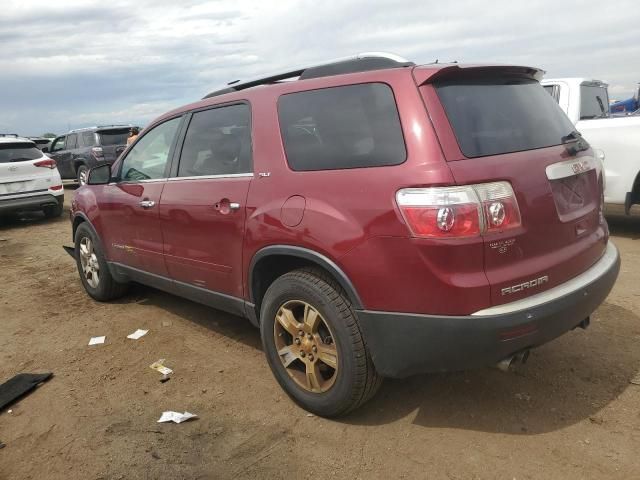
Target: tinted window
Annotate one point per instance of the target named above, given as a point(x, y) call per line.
point(341, 127)
point(58, 144)
point(72, 141)
point(18, 152)
point(88, 139)
point(491, 117)
point(114, 137)
point(148, 159)
point(594, 102)
point(218, 142)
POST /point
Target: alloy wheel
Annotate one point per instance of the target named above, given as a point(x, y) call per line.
point(305, 346)
point(89, 262)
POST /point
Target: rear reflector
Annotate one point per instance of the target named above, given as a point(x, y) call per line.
point(56, 187)
point(47, 163)
point(459, 212)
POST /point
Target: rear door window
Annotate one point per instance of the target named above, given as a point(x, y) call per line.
point(352, 126)
point(217, 142)
point(594, 102)
point(72, 141)
point(18, 152)
point(495, 116)
point(148, 159)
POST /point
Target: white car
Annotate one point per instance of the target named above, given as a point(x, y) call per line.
point(29, 179)
point(586, 103)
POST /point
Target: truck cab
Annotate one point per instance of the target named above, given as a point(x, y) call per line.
point(617, 139)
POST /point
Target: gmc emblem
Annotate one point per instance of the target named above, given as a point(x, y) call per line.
point(580, 167)
point(536, 282)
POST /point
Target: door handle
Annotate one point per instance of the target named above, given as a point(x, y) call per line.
point(147, 203)
point(225, 207)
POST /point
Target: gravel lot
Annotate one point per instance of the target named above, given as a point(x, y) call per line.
point(570, 412)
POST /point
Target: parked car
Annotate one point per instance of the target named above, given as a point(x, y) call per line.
point(41, 142)
point(586, 104)
point(29, 180)
point(79, 150)
point(372, 217)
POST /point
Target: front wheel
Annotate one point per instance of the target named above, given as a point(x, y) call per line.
point(92, 267)
point(314, 346)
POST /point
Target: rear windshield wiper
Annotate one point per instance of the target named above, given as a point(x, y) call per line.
point(574, 142)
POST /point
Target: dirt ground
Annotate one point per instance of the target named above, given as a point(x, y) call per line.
point(570, 412)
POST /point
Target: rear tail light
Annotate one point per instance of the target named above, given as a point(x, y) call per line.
point(97, 153)
point(46, 163)
point(56, 187)
point(459, 212)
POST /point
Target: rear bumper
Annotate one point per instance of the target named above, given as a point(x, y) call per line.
point(35, 202)
point(406, 344)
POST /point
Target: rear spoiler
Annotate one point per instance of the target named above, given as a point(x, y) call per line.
point(431, 73)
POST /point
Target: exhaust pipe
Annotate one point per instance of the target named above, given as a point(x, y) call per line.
point(506, 364)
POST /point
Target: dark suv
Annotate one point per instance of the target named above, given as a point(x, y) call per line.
point(372, 217)
point(79, 150)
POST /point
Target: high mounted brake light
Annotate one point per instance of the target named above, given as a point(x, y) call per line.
point(459, 212)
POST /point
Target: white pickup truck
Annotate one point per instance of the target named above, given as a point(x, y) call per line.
point(586, 102)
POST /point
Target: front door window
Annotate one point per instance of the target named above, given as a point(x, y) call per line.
point(148, 159)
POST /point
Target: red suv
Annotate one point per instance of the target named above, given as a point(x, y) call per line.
point(372, 217)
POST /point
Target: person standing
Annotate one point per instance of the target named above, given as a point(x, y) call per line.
point(133, 134)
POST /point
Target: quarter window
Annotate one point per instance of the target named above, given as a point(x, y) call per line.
point(89, 139)
point(341, 127)
point(148, 159)
point(217, 142)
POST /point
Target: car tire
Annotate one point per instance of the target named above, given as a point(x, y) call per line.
point(353, 381)
point(92, 267)
point(82, 174)
point(53, 211)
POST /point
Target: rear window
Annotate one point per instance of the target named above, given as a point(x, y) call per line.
point(18, 152)
point(113, 137)
point(495, 116)
point(341, 127)
point(594, 102)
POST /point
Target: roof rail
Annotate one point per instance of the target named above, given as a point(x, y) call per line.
point(75, 130)
point(9, 135)
point(361, 62)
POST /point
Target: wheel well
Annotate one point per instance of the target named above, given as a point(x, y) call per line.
point(636, 185)
point(269, 268)
point(79, 163)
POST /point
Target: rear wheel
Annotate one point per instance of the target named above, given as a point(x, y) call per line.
point(314, 346)
point(92, 267)
point(82, 174)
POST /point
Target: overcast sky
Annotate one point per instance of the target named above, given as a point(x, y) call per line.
point(78, 63)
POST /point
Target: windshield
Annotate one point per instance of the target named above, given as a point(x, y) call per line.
point(18, 152)
point(503, 115)
point(113, 137)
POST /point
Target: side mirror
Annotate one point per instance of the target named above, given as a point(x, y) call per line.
point(100, 175)
point(45, 149)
